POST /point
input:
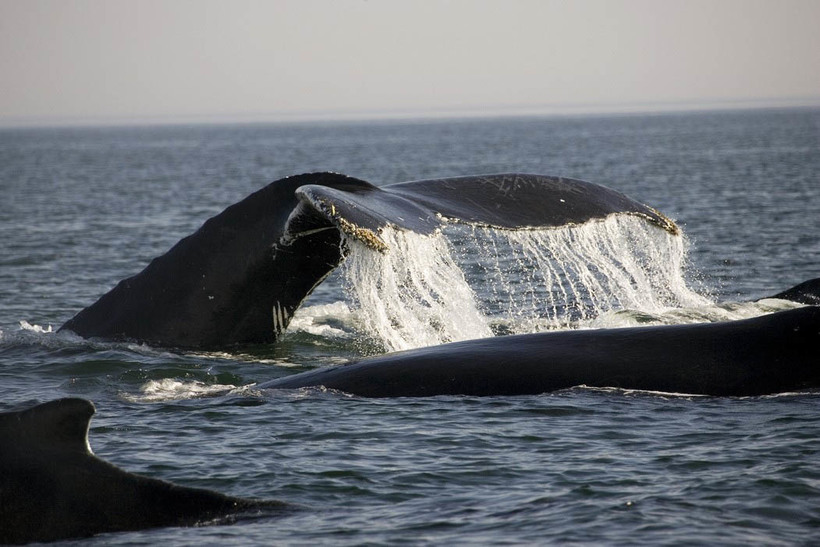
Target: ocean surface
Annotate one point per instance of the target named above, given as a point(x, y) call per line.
point(85, 207)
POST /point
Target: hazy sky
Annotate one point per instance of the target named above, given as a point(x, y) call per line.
point(92, 59)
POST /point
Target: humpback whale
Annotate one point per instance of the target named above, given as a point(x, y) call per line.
point(774, 353)
point(240, 277)
point(52, 487)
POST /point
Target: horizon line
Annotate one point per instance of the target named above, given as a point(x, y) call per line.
point(407, 114)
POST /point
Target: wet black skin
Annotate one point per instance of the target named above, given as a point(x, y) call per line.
point(52, 487)
point(774, 353)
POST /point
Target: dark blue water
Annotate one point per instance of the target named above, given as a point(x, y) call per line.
point(83, 208)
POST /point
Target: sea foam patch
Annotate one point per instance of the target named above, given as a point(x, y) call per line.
point(25, 325)
point(171, 389)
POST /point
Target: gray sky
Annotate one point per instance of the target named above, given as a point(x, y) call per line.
point(81, 60)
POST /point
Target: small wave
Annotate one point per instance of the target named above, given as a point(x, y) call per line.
point(169, 389)
point(33, 335)
point(675, 395)
point(811, 392)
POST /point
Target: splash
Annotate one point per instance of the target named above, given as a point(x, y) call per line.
point(413, 295)
point(473, 282)
point(532, 280)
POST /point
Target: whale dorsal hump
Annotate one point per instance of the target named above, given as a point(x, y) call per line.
point(56, 426)
point(807, 292)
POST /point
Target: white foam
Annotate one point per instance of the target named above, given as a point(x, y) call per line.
point(25, 325)
point(170, 389)
point(326, 320)
point(649, 392)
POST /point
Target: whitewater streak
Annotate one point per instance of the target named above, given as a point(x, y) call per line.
point(472, 281)
point(414, 294)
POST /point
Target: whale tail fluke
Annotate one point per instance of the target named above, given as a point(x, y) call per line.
point(242, 275)
point(509, 201)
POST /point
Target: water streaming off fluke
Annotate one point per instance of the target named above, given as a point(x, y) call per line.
point(473, 282)
point(413, 295)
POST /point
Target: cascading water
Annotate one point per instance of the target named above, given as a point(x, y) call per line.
point(531, 280)
point(472, 282)
point(414, 294)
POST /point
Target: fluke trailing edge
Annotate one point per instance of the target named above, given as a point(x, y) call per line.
point(772, 353)
point(240, 277)
point(52, 487)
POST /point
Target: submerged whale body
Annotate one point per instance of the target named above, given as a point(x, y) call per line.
point(774, 353)
point(240, 277)
point(52, 487)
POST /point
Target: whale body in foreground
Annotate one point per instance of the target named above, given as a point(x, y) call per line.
point(240, 277)
point(774, 353)
point(52, 487)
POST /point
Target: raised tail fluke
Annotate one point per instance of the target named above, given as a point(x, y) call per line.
point(506, 201)
point(242, 275)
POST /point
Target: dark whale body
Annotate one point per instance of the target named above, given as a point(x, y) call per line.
point(241, 276)
point(52, 487)
point(807, 292)
point(774, 353)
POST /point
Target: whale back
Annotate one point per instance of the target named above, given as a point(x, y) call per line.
point(52, 487)
point(807, 292)
point(57, 426)
point(772, 353)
